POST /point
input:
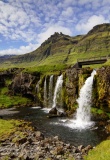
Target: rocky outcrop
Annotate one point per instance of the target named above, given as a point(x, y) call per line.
point(19, 83)
point(23, 84)
point(73, 81)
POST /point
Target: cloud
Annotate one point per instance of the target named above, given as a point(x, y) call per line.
point(68, 12)
point(83, 2)
point(84, 27)
point(13, 16)
point(51, 30)
point(18, 51)
point(32, 22)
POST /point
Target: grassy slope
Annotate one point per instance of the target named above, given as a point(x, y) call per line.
point(101, 152)
point(54, 53)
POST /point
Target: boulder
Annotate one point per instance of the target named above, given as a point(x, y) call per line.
point(55, 112)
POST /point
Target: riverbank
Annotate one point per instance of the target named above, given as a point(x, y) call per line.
point(24, 142)
point(29, 143)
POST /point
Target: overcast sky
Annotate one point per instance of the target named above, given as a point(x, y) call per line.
point(25, 24)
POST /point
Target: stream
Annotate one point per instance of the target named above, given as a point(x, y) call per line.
point(56, 127)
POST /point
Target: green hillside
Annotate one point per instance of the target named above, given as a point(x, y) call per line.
point(60, 51)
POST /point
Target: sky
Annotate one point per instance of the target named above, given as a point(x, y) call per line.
point(25, 24)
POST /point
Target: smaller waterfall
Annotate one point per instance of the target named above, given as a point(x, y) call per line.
point(57, 91)
point(45, 92)
point(50, 90)
point(37, 87)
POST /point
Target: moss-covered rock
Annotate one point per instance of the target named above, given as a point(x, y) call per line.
point(101, 90)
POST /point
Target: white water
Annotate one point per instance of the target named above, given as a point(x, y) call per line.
point(83, 114)
point(45, 92)
point(50, 90)
point(57, 91)
point(84, 101)
point(46, 110)
point(37, 107)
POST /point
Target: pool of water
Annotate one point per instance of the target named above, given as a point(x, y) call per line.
point(59, 127)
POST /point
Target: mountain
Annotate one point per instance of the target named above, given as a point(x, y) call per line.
point(60, 49)
point(4, 57)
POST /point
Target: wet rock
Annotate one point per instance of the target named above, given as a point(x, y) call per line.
point(55, 112)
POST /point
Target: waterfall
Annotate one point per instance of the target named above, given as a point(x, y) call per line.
point(50, 90)
point(83, 114)
point(45, 92)
point(57, 91)
point(84, 101)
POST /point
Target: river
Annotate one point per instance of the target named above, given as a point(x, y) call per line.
point(55, 127)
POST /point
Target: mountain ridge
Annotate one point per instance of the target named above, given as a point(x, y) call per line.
point(64, 49)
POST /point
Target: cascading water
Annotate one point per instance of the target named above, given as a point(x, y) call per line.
point(57, 92)
point(84, 101)
point(50, 90)
point(83, 115)
point(45, 92)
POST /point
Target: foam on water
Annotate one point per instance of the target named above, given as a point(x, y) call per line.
point(46, 110)
point(83, 114)
point(37, 107)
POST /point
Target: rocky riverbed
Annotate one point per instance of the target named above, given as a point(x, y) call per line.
point(28, 143)
point(33, 145)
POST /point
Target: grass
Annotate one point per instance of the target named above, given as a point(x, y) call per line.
point(46, 68)
point(59, 61)
point(7, 127)
point(101, 152)
point(100, 112)
point(13, 127)
point(97, 111)
point(7, 101)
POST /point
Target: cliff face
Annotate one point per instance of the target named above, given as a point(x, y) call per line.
point(74, 80)
point(102, 89)
point(32, 87)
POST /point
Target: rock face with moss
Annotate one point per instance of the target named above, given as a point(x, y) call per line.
point(102, 89)
point(74, 80)
point(16, 88)
point(31, 86)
